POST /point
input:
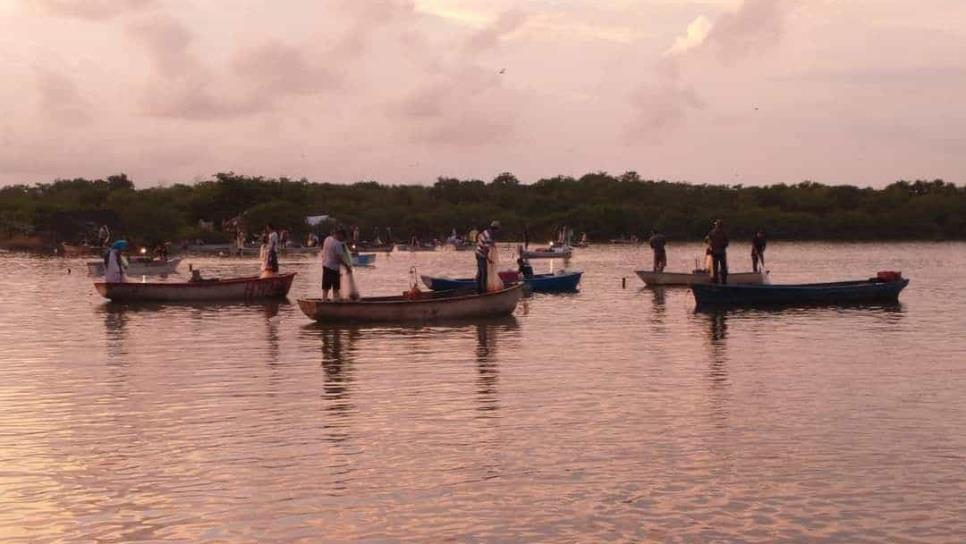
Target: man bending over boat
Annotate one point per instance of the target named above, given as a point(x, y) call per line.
point(334, 257)
point(484, 245)
point(114, 264)
point(657, 243)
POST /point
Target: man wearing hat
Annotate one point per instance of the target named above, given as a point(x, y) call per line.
point(484, 244)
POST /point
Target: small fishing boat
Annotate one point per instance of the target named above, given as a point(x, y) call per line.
point(561, 282)
point(70, 250)
point(415, 247)
point(373, 247)
point(671, 279)
point(363, 259)
point(876, 289)
point(432, 306)
point(552, 252)
point(239, 289)
point(139, 267)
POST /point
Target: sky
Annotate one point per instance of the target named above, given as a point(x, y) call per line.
point(750, 92)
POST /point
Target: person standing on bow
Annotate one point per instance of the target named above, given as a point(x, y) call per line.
point(758, 243)
point(334, 256)
point(114, 263)
point(484, 246)
point(657, 243)
point(717, 241)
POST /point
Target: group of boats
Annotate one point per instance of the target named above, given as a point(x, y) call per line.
point(457, 298)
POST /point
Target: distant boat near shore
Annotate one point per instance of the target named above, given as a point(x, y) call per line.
point(684, 279)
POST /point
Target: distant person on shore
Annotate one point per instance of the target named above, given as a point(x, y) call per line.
point(526, 237)
point(161, 252)
point(114, 263)
point(758, 243)
point(717, 241)
point(484, 246)
point(657, 243)
point(334, 257)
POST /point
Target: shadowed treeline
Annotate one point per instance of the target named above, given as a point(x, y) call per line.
point(599, 204)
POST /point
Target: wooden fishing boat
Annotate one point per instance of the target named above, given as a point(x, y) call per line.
point(842, 292)
point(70, 250)
point(237, 289)
point(552, 252)
point(684, 279)
point(373, 247)
point(432, 306)
point(139, 267)
point(415, 247)
point(562, 282)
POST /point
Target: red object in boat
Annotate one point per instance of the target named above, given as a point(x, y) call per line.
point(510, 276)
point(888, 276)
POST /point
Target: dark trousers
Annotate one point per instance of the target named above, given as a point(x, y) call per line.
point(660, 260)
point(757, 257)
point(481, 274)
point(719, 267)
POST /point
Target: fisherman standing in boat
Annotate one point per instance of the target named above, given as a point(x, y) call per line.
point(484, 245)
point(271, 249)
point(114, 263)
point(717, 241)
point(334, 257)
point(657, 242)
point(758, 243)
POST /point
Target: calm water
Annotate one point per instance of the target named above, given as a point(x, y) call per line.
point(609, 415)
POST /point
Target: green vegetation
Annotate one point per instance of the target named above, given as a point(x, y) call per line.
point(599, 204)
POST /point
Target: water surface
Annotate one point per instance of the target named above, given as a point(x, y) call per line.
point(611, 414)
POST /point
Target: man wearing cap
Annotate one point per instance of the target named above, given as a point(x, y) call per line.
point(484, 244)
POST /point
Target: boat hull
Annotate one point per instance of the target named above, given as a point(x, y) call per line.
point(838, 293)
point(459, 305)
point(540, 283)
point(236, 289)
point(364, 259)
point(152, 268)
point(684, 279)
point(548, 254)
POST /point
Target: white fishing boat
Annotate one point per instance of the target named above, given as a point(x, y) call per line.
point(139, 267)
point(551, 252)
point(237, 289)
point(699, 277)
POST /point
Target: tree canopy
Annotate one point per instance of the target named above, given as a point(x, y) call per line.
point(602, 205)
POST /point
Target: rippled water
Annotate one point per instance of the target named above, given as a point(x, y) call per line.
point(612, 414)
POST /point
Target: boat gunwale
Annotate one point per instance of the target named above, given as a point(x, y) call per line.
point(288, 276)
point(435, 296)
point(801, 286)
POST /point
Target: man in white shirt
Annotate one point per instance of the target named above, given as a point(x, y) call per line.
point(334, 256)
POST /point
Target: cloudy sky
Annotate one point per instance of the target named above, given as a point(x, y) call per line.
point(403, 91)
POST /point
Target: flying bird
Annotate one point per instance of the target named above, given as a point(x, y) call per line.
point(502, 70)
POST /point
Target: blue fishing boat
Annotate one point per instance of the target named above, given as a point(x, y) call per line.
point(562, 282)
point(363, 259)
point(842, 292)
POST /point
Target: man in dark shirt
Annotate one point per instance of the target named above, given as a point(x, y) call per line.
point(657, 242)
point(758, 243)
point(718, 245)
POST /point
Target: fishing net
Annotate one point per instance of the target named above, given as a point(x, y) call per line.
point(493, 281)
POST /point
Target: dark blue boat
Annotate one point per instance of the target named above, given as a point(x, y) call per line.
point(843, 292)
point(538, 283)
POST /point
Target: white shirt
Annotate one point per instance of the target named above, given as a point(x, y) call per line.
point(273, 241)
point(332, 253)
